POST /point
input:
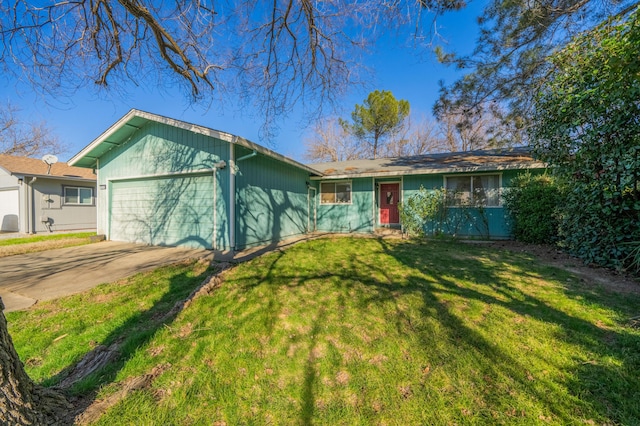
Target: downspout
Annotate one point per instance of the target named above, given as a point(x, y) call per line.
point(216, 167)
point(232, 194)
point(246, 157)
point(30, 207)
point(23, 213)
point(97, 192)
point(215, 208)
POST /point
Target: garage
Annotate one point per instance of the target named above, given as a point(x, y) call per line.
point(9, 210)
point(164, 211)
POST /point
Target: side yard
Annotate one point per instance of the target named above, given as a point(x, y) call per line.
point(349, 331)
point(36, 243)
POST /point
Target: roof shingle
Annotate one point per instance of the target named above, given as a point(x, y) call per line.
point(36, 167)
point(451, 162)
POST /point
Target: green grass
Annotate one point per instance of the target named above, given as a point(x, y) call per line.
point(358, 331)
point(55, 335)
point(45, 237)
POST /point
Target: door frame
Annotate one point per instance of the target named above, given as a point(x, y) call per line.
point(391, 182)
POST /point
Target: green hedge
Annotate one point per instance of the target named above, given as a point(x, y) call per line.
point(532, 203)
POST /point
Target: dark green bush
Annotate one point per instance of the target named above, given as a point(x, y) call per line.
point(532, 203)
point(586, 127)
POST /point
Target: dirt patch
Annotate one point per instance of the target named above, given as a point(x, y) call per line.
point(93, 412)
point(41, 246)
point(619, 282)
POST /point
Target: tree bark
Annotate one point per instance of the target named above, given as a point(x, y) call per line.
point(22, 402)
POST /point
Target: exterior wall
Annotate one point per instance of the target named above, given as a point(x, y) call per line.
point(159, 150)
point(45, 198)
point(489, 222)
point(48, 202)
point(271, 200)
point(355, 217)
point(10, 215)
point(362, 213)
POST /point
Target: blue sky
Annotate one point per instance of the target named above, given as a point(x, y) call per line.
point(407, 73)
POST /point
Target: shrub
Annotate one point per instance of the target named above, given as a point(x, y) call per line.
point(586, 127)
point(420, 208)
point(532, 203)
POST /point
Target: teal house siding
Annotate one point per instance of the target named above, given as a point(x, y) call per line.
point(488, 222)
point(272, 200)
point(358, 216)
point(168, 182)
point(150, 190)
point(362, 213)
point(163, 211)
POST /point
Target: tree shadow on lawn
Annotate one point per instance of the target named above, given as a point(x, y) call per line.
point(100, 366)
point(589, 387)
point(610, 389)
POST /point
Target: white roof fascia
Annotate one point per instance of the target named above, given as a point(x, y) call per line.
point(194, 128)
point(75, 178)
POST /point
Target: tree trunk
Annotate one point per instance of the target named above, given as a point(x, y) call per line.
point(22, 402)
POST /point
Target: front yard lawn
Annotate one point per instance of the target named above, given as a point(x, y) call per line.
point(355, 331)
point(42, 242)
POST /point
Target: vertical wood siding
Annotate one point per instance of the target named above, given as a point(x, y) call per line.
point(271, 200)
point(159, 149)
point(354, 217)
point(358, 216)
point(491, 222)
point(163, 211)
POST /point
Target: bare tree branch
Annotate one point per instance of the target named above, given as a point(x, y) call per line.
point(272, 55)
point(25, 138)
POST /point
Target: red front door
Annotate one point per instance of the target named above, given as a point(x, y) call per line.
point(389, 197)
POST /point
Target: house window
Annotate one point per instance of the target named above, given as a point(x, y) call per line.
point(78, 195)
point(474, 190)
point(335, 193)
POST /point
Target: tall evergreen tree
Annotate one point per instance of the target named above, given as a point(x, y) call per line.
point(377, 119)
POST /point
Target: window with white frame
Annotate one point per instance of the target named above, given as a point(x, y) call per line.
point(335, 193)
point(474, 190)
point(78, 195)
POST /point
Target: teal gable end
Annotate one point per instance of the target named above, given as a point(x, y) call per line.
point(167, 182)
point(158, 188)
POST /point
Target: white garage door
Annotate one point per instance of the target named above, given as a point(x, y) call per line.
point(9, 210)
point(172, 211)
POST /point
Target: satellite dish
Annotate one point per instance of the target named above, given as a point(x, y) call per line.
point(49, 159)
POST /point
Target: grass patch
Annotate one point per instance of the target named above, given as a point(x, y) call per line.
point(36, 243)
point(39, 238)
point(55, 335)
point(360, 331)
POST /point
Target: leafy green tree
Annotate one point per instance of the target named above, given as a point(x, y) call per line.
point(587, 127)
point(509, 63)
point(421, 208)
point(377, 119)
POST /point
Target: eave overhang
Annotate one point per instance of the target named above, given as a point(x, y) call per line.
point(121, 131)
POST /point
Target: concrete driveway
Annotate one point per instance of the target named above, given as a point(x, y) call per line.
point(28, 278)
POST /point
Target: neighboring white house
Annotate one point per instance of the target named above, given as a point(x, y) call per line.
point(36, 197)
